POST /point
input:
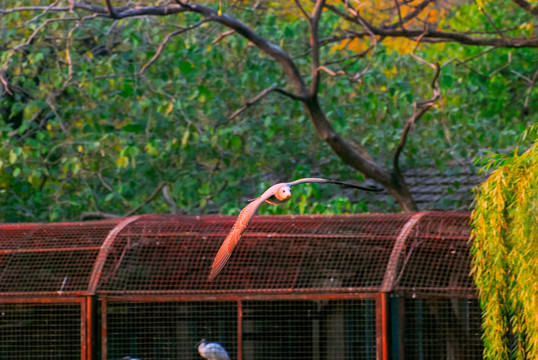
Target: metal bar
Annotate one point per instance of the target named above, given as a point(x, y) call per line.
point(103, 253)
point(379, 327)
point(40, 300)
point(277, 235)
point(385, 325)
point(225, 297)
point(103, 329)
point(38, 250)
point(243, 292)
point(239, 330)
point(44, 294)
point(388, 280)
point(439, 295)
point(84, 330)
point(90, 326)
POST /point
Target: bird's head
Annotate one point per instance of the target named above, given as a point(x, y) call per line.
point(283, 193)
point(201, 342)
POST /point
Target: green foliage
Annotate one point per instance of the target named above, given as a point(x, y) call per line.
point(98, 136)
point(505, 248)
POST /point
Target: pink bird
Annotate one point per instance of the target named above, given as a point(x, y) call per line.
point(275, 195)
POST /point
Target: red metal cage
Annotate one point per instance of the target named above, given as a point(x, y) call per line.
point(373, 286)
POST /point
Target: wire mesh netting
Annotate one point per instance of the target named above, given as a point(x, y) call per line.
point(296, 287)
point(40, 331)
point(169, 330)
point(435, 258)
point(440, 329)
point(49, 258)
point(173, 254)
point(290, 329)
point(300, 330)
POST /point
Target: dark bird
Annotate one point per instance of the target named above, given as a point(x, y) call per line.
point(275, 195)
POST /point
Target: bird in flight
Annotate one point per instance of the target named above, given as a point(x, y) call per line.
point(275, 195)
point(212, 351)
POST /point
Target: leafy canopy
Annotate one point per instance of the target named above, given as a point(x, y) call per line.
point(84, 131)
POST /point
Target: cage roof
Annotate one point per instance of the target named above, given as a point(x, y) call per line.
point(169, 254)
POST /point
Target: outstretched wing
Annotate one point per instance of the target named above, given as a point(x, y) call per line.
point(235, 234)
point(320, 180)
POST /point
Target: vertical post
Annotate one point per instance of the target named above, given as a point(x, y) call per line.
point(90, 327)
point(385, 321)
point(239, 330)
point(83, 329)
point(382, 326)
point(103, 330)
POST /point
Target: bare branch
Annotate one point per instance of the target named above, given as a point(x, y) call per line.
point(366, 26)
point(419, 109)
point(354, 56)
point(34, 8)
point(433, 35)
point(169, 201)
point(148, 199)
point(301, 8)
point(110, 9)
point(165, 41)
point(531, 87)
point(43, 13)
point(4, 82)
point(330, 72)
point(400, 20)
point(222, 36)
point(410, 16)
point(469, 58)
point(96, 215)
point(464, 64)
point(314, 45)
point(490, 20)
point(525, 5)
point(260, 96)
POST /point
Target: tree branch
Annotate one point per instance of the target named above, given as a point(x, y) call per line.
point(260, 96)
point(410, 16)
point(169, 201)
point(330, 72)
point(165, 41)
point(533, 10)
point(400, 20)
point(301, 8)
point(528, 97)
point(424, 107)
point(314, 45)
point(110, 9)
point(222, 36)
point(432, 35)
point(148, 199)
point(363, 23)
point(97, 215)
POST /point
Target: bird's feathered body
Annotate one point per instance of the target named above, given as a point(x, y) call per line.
point(212, 351)
point(275, 195)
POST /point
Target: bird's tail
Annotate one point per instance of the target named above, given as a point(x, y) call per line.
point(220, 261)
point(363, 188)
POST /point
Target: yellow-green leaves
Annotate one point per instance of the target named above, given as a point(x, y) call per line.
point(505, 253)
